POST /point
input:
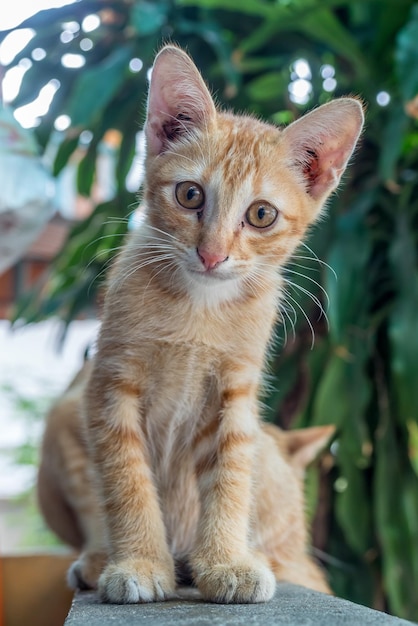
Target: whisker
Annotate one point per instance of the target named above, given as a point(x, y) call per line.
point(304, 267)
point(305, 316)
point(312, 281)
point(138, 266)
point(316, 257)
point(286, 307)
point(166, 266)
point(311, 296)
point(100, 253)
point(163, 232)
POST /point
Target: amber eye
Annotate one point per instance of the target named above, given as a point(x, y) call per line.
point(190, 195)
point(261, 214)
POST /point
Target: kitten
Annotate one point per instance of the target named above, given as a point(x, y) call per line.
point(182, 464)
point(68, 499)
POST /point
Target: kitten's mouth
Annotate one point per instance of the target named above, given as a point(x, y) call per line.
point(212, 274)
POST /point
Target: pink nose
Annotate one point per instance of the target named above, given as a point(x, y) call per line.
point(210, 259)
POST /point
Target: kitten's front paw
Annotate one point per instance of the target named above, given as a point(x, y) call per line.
point(133, 581)
point(84, 573)
point(240, 582)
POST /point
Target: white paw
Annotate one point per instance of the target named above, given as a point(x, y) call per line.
point(131, 582)
point(241, 582)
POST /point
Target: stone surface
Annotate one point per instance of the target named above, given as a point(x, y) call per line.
point(291, 606)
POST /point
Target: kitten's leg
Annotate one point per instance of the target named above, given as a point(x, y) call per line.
point(69, 503)
point(225, 568)
point(85, 571)
point(78, 485)
point(141, 568)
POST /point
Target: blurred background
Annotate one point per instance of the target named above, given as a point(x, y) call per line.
point(74, 84)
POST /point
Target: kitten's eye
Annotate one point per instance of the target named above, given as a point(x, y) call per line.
point(190, 195)
point(261, 214)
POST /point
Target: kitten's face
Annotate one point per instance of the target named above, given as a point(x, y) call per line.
point(232, 205)
point(233, 195)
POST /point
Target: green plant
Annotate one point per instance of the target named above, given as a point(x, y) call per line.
point(24, 518)
point(362, 372)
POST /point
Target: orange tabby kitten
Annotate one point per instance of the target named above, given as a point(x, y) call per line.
point(69, 502)
point(181, 462)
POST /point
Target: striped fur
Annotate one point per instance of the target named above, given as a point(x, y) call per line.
point(182, 464)
point(68, 493)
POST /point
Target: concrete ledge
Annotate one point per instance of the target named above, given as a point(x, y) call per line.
point(291, 606)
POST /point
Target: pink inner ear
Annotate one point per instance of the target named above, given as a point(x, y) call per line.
point(323, 169)
point(178, 100)
point(322, 142)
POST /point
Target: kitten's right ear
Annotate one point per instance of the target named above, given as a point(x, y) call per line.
point(178, 100)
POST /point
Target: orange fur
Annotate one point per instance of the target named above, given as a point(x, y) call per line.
point(70, 504)
point(182, 464)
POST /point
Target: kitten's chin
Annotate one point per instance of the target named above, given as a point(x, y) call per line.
point(213, 288)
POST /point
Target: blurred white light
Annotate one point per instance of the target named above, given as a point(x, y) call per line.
point(67, 36)
point(136, 172)
point(85, 137)
point(300, 90)
point(383, 98)
point(62, 122)
point(327, 71)
point(22, 9)
point(38, 54)
point(334, 447)
point(136, 218)
point(13, 79)
point(86, 44)
point(73, 61)
point(135, 65)
point(329, 84)
point(13, 43)
point(302, 69)
point(29, 115)
point(73, 27)
point(341, 484)
point(90, 23)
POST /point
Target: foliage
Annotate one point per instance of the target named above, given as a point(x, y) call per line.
point(362, 372)
point(25, 517)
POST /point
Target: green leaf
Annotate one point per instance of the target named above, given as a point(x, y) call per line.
point(413, 444)
point(403, 322)
point(96, 86)
point(325, 27)
point(268, 86)
point(148, 17)
point(395, 491)
point(329, 407)
point(65, 150)
point(86, 170)
point(355, 520)
point(406, 56)
point(250, 7)
point(393, 137)
point(349, 256)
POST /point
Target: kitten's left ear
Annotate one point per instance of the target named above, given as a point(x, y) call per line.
point(178, 100)
point(322, 142)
